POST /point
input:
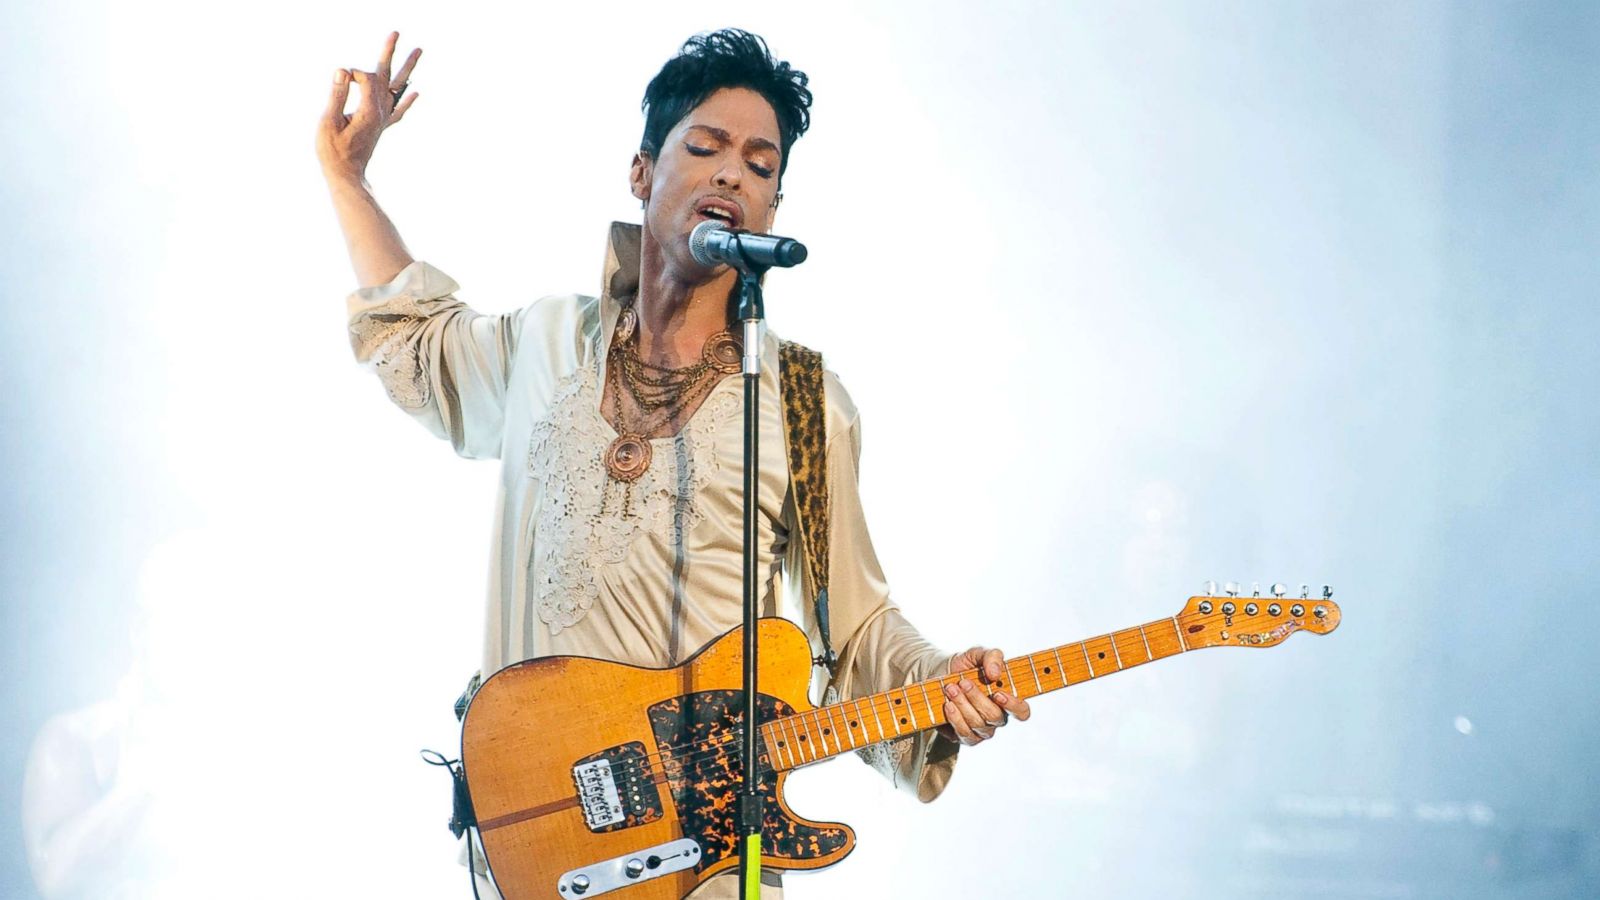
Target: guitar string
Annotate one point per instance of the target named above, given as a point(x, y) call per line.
point(714, 749)
point(710, 749)
point(735, 739)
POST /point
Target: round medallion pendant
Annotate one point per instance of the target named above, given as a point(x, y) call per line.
point(626, 322)
point(722, 352)
point(628, 457)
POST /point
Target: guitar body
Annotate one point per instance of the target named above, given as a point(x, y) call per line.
point(583, 781)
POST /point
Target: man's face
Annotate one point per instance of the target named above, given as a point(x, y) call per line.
point(719, 162)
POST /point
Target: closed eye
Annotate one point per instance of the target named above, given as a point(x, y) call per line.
point(761, 170)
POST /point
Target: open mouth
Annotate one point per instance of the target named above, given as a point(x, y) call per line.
point(719, 211)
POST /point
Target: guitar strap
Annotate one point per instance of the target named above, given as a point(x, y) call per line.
point(805, 434)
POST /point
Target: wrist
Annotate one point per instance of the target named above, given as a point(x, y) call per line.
point(345, 177)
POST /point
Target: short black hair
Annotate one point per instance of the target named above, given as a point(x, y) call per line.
point(710, 62)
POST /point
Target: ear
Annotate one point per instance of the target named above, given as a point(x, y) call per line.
point(772, 216)
point(641, 174)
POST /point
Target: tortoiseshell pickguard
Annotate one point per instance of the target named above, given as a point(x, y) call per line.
point(703, 766)
point(636, 785)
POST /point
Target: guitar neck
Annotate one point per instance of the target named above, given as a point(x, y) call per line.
point(808, 737)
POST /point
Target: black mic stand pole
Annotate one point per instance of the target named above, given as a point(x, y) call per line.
point(752, 313)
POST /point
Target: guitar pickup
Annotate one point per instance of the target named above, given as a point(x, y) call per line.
point(617, 788)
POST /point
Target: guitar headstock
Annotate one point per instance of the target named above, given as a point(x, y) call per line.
point(1231, 620)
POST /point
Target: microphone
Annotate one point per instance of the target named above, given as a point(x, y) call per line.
point(712, 242)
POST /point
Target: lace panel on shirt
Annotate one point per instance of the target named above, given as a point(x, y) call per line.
point(889, 757)
point(385, 340)
point(585, 521)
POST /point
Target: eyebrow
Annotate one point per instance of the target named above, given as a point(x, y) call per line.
point(721, 135)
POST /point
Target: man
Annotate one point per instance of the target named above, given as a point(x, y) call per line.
point(619, 529)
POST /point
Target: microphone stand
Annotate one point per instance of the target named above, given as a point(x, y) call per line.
point(752, 312)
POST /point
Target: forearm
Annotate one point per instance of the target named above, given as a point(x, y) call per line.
point(376, 251)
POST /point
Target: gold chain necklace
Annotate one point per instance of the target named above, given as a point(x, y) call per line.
point(661, 393)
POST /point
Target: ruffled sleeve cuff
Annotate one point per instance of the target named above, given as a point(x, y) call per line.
point(384, 322)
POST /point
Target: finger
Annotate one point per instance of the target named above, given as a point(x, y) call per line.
point(986, 708)
point(388, 55)
point(340, 95)
point(1014, 705)
point(400, 111)
point(993, 664)
point(369, 90)
point(411, 62)
point(961, 698)
point(957, 721)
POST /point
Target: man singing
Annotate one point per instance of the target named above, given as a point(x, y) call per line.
point(619, 523)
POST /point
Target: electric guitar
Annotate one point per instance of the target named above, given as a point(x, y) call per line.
point(590, 777)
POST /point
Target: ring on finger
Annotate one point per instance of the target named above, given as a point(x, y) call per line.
point(398, 91)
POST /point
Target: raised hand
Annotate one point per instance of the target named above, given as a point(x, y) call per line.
point(345, 143)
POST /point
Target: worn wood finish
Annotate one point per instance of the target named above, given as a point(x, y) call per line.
point(532, 722)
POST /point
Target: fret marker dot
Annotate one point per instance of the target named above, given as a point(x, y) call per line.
point(827, 731)
point(1101, 654)
point(802, 739)
point(853, 725)
point(902, 721)
point(897, 703)
point(1047, 670)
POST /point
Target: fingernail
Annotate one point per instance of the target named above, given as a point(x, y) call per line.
point(1000, 696)
point(340, 76)
point(951, 691)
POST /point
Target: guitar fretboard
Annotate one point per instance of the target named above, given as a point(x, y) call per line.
point(809, 737)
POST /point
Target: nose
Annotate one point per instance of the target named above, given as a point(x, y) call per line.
point(727, 175)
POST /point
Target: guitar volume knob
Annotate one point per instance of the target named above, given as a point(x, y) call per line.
point(580, 884)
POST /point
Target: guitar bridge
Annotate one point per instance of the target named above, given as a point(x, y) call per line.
point(616, 788)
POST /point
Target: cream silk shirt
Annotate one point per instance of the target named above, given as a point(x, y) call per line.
point(646, 573)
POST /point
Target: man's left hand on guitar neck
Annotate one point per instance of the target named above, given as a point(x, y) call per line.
point(972, 716)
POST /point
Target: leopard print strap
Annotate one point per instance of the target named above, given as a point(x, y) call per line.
point(805, 432)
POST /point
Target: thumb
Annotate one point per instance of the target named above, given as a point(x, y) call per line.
point(966, 659)
point(341, 92)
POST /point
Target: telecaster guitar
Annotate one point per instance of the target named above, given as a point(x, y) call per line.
point(591, 777)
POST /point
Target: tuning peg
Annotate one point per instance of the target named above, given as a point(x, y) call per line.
point(1305, 591)
point(1211, 589)
point(1232, 588)
point(1278, 590)
point(1327, 592)
point(1255, 589)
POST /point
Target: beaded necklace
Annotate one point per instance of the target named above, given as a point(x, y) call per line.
point(660, 393)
